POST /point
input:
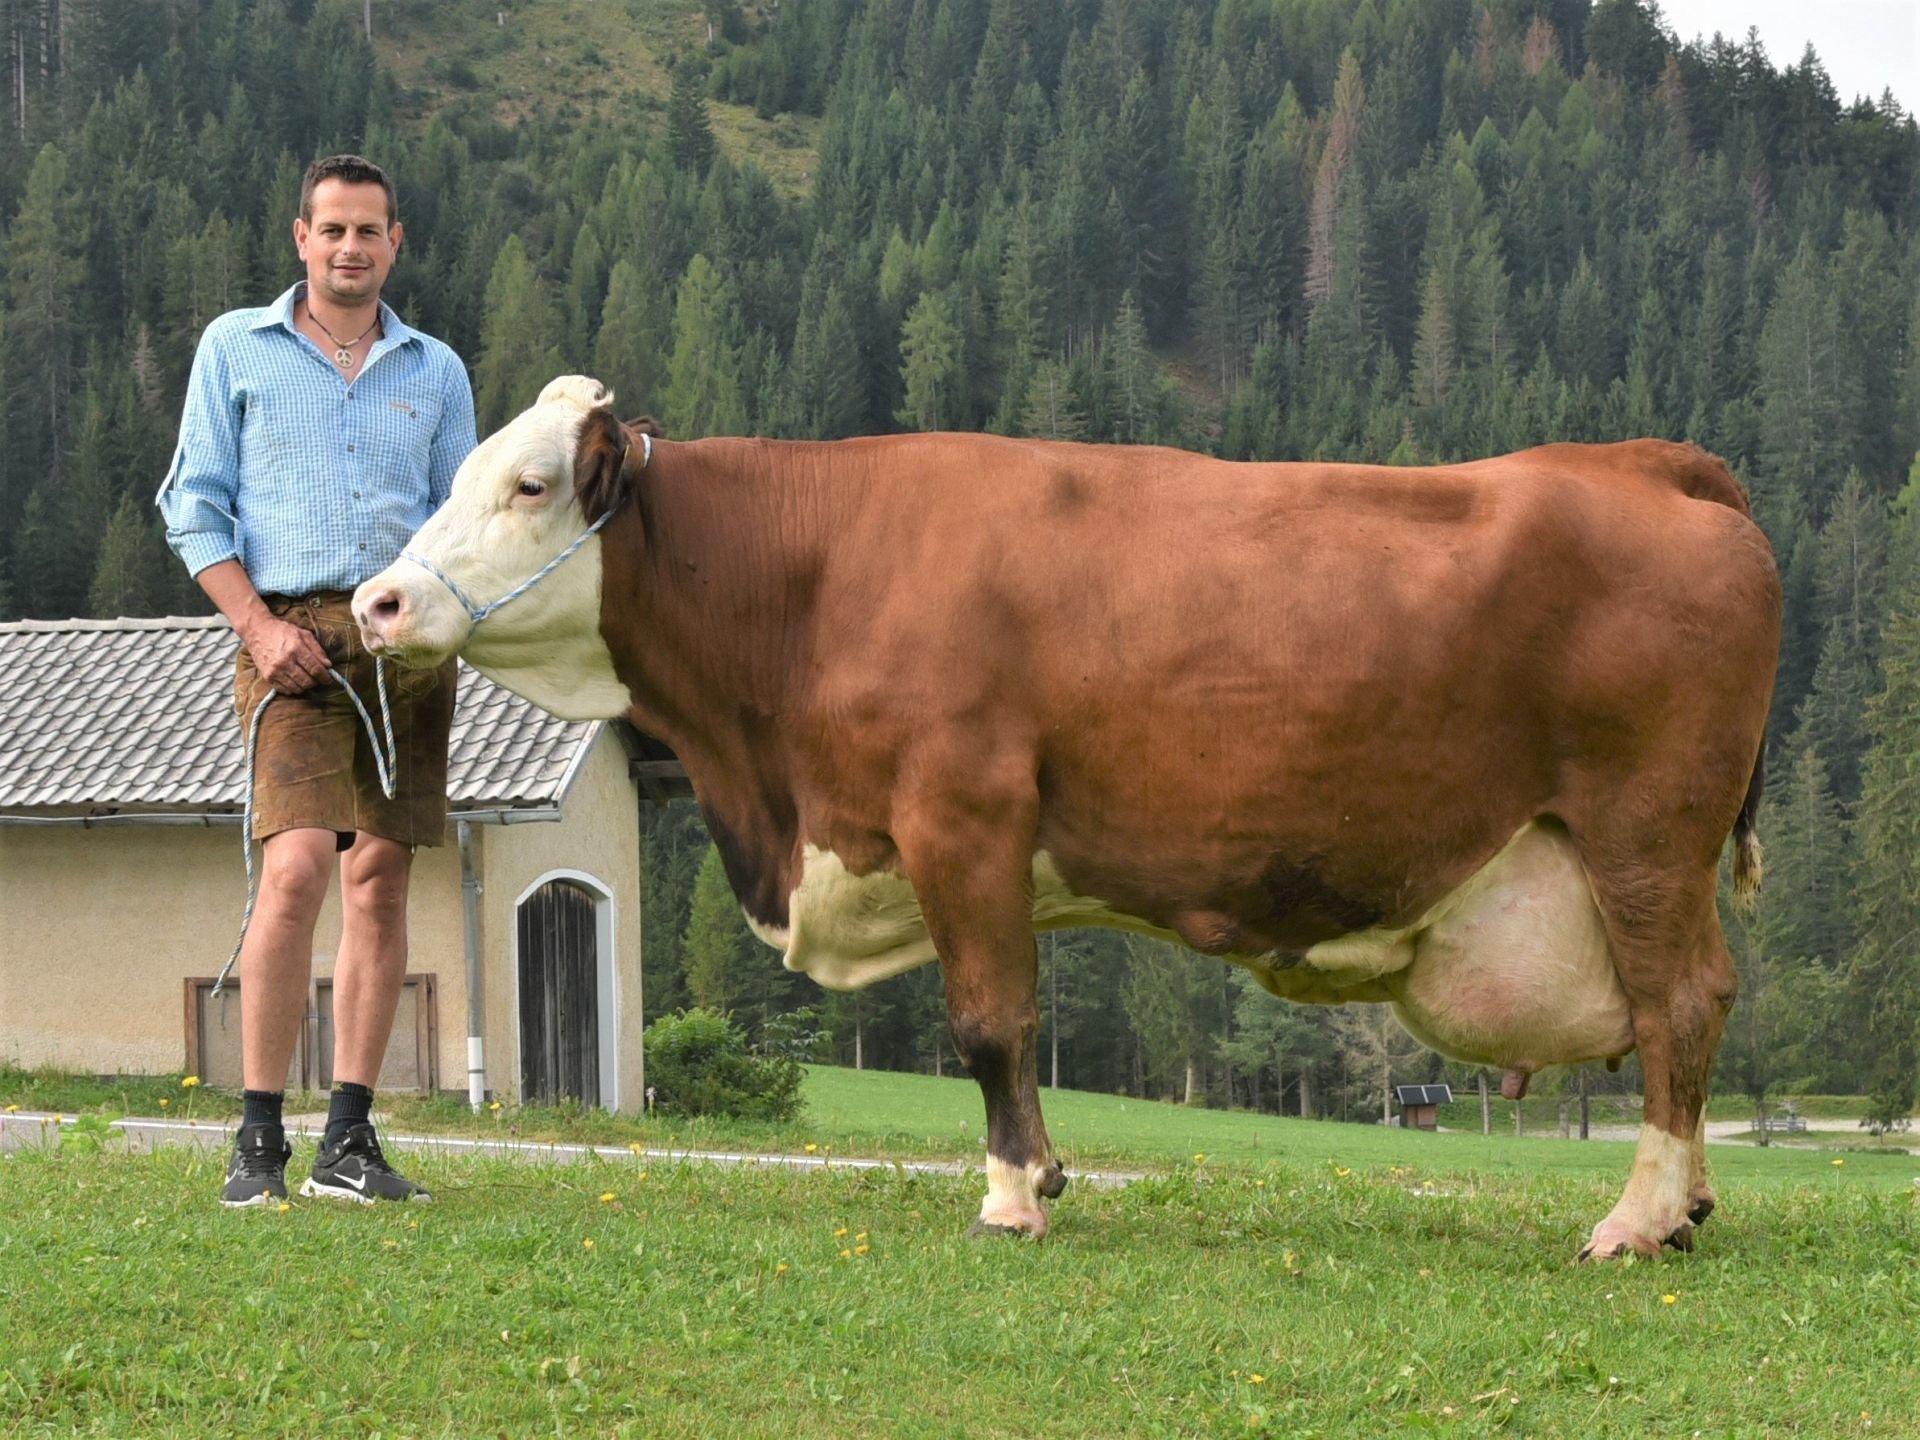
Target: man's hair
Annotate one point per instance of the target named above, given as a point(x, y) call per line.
point(353, 170)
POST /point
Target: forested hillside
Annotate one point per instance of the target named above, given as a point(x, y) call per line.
point(1390, 230)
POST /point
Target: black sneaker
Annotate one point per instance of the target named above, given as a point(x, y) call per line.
point(257, 1175)
point(352, 1168)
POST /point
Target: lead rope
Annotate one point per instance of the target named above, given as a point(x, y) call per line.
point(384, 764)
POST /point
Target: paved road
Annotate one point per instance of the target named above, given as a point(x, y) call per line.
point(20, 1130)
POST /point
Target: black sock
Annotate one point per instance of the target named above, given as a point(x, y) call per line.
point(349, 1105)
point(262, 1107)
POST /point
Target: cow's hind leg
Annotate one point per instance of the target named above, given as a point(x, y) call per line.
point(974, 884)
point(1679, 980)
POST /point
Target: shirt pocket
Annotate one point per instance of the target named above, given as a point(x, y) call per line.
point(413, 410)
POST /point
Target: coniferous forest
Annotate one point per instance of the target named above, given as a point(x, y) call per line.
point(1382, 230)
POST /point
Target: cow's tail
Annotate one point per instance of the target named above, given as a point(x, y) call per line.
point(1749, 865)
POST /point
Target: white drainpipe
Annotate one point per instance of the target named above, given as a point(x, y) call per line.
point(476, 997)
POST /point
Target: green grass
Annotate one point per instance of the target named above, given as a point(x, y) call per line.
point(1297, 1252)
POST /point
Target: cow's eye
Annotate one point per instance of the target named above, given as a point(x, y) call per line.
point(532, 489)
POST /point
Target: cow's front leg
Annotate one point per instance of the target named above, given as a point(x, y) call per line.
point(995, 1025)
point(974, 882)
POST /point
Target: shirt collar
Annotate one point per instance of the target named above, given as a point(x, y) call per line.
point(395, 331)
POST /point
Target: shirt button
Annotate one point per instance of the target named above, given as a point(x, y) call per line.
point(349, 449)
point(356, 494)
point(363, 545)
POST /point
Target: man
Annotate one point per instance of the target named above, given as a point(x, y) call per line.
point(319, 433)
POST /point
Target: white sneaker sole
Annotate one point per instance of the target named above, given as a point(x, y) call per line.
point(263, 1198)
point(314, 1190)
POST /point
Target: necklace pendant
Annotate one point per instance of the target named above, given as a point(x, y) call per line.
point(343, 357)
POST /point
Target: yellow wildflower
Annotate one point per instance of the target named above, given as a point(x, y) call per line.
point(636, 1147)
point(189, 1082)
point(1341, 1173)
point(1257, 1379)
point(1839, 1162)
point(1198, 1158)
point(846, 1254)
point(1668, 1299)
point(164, 1103)
point(587, 1244)
point(861, 1249)
point(781, 1268)
point(861, 1236)
point(283, 1207)
point(608, 1198)
point(841, 1231)
point(15, 1109)
point(812, 1149)
point(493, 1105)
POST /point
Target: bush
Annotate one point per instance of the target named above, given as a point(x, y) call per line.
point(699, 1063)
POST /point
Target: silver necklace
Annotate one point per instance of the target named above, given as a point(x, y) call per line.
point(343, 357)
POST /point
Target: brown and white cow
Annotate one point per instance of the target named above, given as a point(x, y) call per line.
point(1467, 739)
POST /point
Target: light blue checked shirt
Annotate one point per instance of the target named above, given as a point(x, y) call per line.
point(311, 477)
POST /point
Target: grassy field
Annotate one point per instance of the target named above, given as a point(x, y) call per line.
point(1300, 1279)
point(579, 62)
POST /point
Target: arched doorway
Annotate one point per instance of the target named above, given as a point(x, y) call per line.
point(567, 1006)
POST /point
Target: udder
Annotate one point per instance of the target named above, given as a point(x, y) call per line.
point(1513, 968)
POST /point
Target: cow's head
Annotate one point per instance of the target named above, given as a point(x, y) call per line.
point(525, 493)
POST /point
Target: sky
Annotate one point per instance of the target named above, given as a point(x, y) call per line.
point(1867, 45)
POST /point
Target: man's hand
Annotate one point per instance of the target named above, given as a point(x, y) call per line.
point(289, 657)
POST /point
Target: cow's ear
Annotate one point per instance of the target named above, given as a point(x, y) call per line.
point(603, 463)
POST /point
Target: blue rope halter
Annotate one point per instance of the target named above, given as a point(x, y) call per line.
point(477, 613)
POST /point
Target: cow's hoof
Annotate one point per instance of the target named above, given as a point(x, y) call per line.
point(1682, 1237)
point(1700, 1206)
point(992, 1230)
point(1052, 1181)
point(1612, 1240)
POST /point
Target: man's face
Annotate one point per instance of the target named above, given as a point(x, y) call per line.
point(348, 245)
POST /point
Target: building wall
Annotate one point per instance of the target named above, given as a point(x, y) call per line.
point(100, 927)
point(599, 839)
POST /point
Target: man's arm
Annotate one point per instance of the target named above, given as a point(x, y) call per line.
point(288, 656)
point(198, 499)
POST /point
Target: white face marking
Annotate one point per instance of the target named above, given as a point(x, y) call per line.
point(489, 538)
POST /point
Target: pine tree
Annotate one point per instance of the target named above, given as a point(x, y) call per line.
point(1885, 980)
point(931, 362)
point(690, 140)
point(1433, 347)
point(128, 578)
point(1805, 390)
point(715, 948)
point(45, 302)
point(635, 329)
point(519, 341)
point(1052, 411)
point(1332, 194)
point(705, 395)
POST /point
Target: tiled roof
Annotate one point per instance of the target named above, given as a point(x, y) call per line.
point(138, 715)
